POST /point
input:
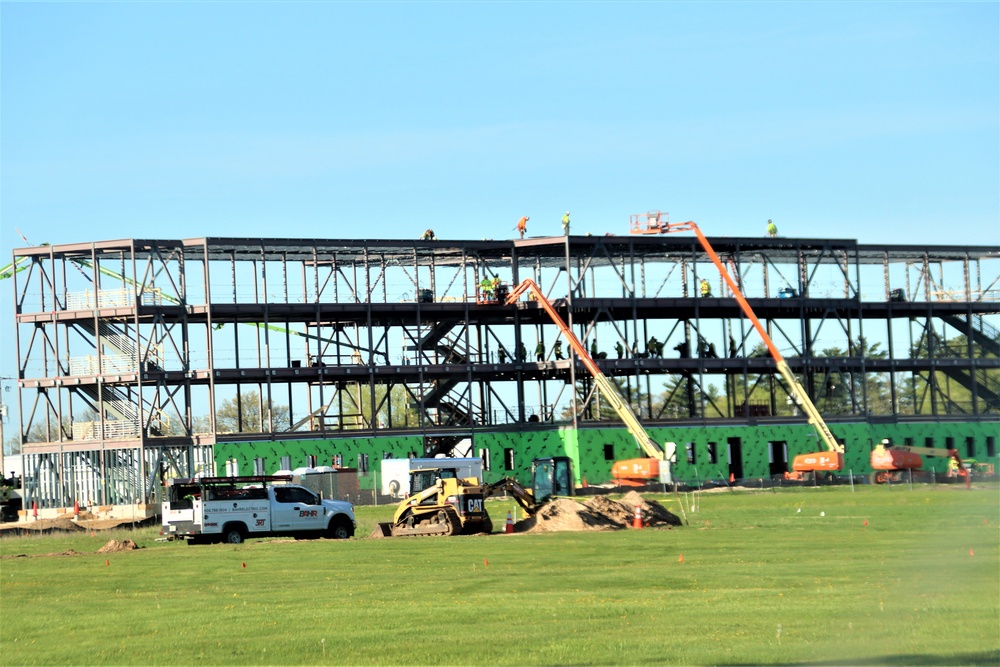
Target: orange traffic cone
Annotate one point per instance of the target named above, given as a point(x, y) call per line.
point(637, 519)
point(34, 510)
point(866, 522)
point(76, 508)
point(732, 478)
point(681, 559)
point(509, 528)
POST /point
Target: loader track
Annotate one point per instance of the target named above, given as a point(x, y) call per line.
point(443, 524)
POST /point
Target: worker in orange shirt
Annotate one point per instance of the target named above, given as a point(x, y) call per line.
point(522, 225)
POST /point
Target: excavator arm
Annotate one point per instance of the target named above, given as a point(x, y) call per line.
point(608, 390)
point(796, 390)
point(524, 497)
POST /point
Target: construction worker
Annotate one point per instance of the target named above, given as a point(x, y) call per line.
point(557, 349)
point(619, 349)
point(496, 286)
point(706, 288)
point(565, 223)
point(502, 355)
point(540, 351)
point(486, 289)
point(653, 347)
point(522, 352)
point(593, 349)
point(952, 468)
point(428, 235)
point(772, 229)
point(522, 225)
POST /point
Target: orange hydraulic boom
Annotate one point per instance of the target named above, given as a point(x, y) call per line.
point(833, 458)
point(607, 388)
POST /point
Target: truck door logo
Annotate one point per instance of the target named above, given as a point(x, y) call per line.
point(307, 513)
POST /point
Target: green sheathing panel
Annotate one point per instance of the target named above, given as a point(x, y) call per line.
point(523, 448)
point(971, 439)
point(599, 449)
point(593, 450)
point(350, 450)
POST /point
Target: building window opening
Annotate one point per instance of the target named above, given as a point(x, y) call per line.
point(508, 459)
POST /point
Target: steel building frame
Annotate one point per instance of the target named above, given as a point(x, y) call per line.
point(136, 356)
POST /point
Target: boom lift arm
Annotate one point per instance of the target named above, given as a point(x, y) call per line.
point(608, 389)
point(797, 391)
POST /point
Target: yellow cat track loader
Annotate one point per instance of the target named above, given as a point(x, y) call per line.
point(440, 504)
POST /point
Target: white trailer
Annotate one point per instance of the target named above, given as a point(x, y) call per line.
point(396, 472)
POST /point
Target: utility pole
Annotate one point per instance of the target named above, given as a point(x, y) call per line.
point(3, 418)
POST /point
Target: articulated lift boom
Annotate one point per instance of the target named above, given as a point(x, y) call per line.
point(607, 388)
point(833, 458)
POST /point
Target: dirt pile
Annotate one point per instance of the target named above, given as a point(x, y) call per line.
point(565, 514)
point(597, 513)
point(653, 513)
point(114, 546)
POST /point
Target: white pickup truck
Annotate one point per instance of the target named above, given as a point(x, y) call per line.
point(231, 509)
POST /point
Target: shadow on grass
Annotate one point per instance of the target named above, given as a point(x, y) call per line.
point(909, 660)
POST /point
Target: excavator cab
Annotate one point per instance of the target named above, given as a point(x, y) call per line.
point(552, 476)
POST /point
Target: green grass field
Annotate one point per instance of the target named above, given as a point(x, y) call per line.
point(765, 579)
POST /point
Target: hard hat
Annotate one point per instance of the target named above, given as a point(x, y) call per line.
point(567, 212)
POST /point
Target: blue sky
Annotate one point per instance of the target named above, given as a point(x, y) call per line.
point(874, 121)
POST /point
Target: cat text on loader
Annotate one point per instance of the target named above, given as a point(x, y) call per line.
point(804, 464)
point(608, 390)
point(889, 461)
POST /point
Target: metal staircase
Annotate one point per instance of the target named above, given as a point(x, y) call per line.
point(978, 329)
point(117, 400)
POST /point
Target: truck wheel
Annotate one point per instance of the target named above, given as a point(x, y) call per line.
point(232, 535)
point(340, 529)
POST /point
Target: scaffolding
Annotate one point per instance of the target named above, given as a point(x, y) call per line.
point(136, 356)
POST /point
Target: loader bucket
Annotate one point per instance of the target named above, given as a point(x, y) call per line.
point(381, 530)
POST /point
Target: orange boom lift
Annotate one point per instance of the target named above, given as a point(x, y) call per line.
point(827, 461)
point(888, 461)
point(650, 466)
